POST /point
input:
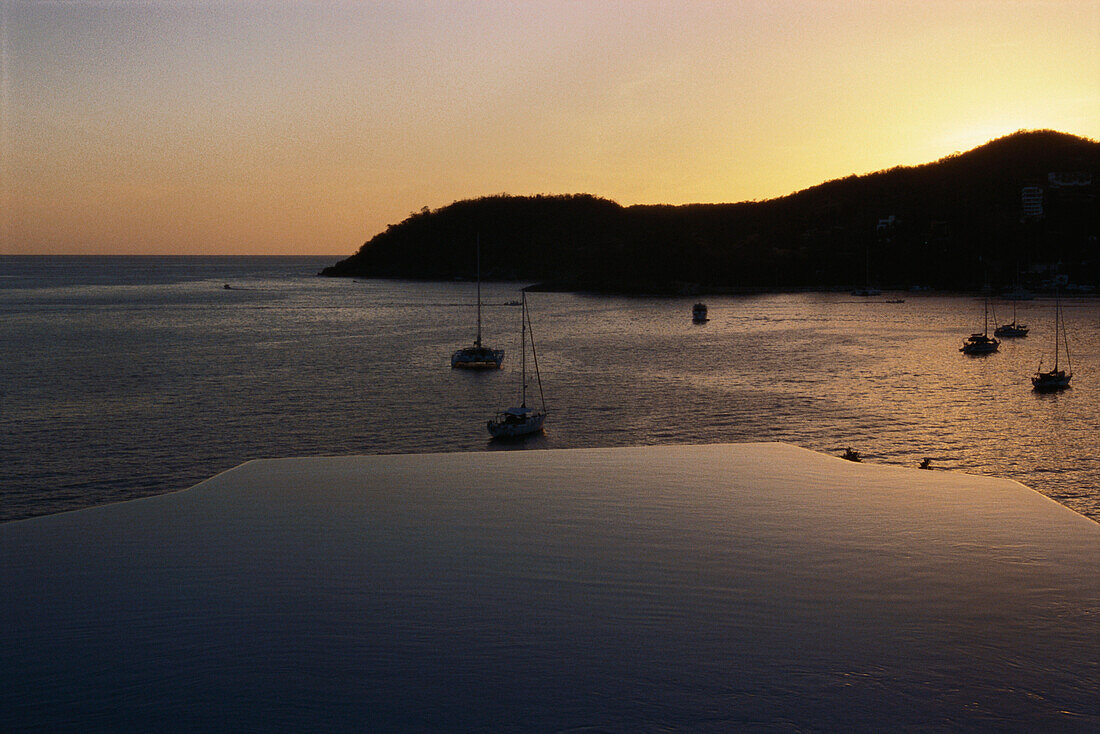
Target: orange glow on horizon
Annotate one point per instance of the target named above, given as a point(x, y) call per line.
point(228, 128)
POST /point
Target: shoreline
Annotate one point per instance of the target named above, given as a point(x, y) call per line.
point(692, 290)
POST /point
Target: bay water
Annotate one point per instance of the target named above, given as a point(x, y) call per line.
point(124, 377)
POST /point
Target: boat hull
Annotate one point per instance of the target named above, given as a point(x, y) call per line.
point(1051, 381)
point(979, 343)
point(1012, 332)
point(514, 429)
point(477, 359)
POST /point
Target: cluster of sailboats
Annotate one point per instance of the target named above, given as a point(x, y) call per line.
point(517, 421)
point(1056, 378)
point(523, 420)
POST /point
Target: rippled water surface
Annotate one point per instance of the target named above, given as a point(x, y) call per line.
point(123, 378)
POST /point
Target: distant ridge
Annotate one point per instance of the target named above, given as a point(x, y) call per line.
point(957, 223)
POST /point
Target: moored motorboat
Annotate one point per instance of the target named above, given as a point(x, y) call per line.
point(699, 313)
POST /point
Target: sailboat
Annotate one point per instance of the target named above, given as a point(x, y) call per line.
point(1055, 379)
point(523, 420)
point(867, 290)
point(1011, 330)
point(478, 357)
point(1014, 329)
point(981, 343)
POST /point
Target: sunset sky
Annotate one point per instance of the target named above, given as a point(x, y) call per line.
point(279, 127)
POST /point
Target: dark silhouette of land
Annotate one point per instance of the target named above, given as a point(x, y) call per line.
point(1022, 207)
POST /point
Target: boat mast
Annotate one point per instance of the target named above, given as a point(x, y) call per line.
point(1057, 319)
point(867, 268)
point(1065, 344)
point(535, 357)
point(477, 341)
point(523, 350)
point(1016, 296)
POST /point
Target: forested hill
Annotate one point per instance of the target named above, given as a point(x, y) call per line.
point(957, 223)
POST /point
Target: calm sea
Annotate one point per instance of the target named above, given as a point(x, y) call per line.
point(127, 377)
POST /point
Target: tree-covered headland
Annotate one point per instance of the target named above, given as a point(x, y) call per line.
point(1022, 206)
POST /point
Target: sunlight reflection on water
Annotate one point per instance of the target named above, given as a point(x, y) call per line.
point(121, 391)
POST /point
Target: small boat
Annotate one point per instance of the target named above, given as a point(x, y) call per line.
point(867, 290)
point(1013, 330)
point(699, 313)
point(477, 357)
point(978, 344)
point(516, 422)
point(522, 421)
point(1055, 379)
point(981, 343)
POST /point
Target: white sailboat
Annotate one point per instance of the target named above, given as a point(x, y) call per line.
point(478, 357)
point(1055, 379)
point(981, 343)
point(522, 420)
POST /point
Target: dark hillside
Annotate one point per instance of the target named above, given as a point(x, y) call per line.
point(955, 223)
